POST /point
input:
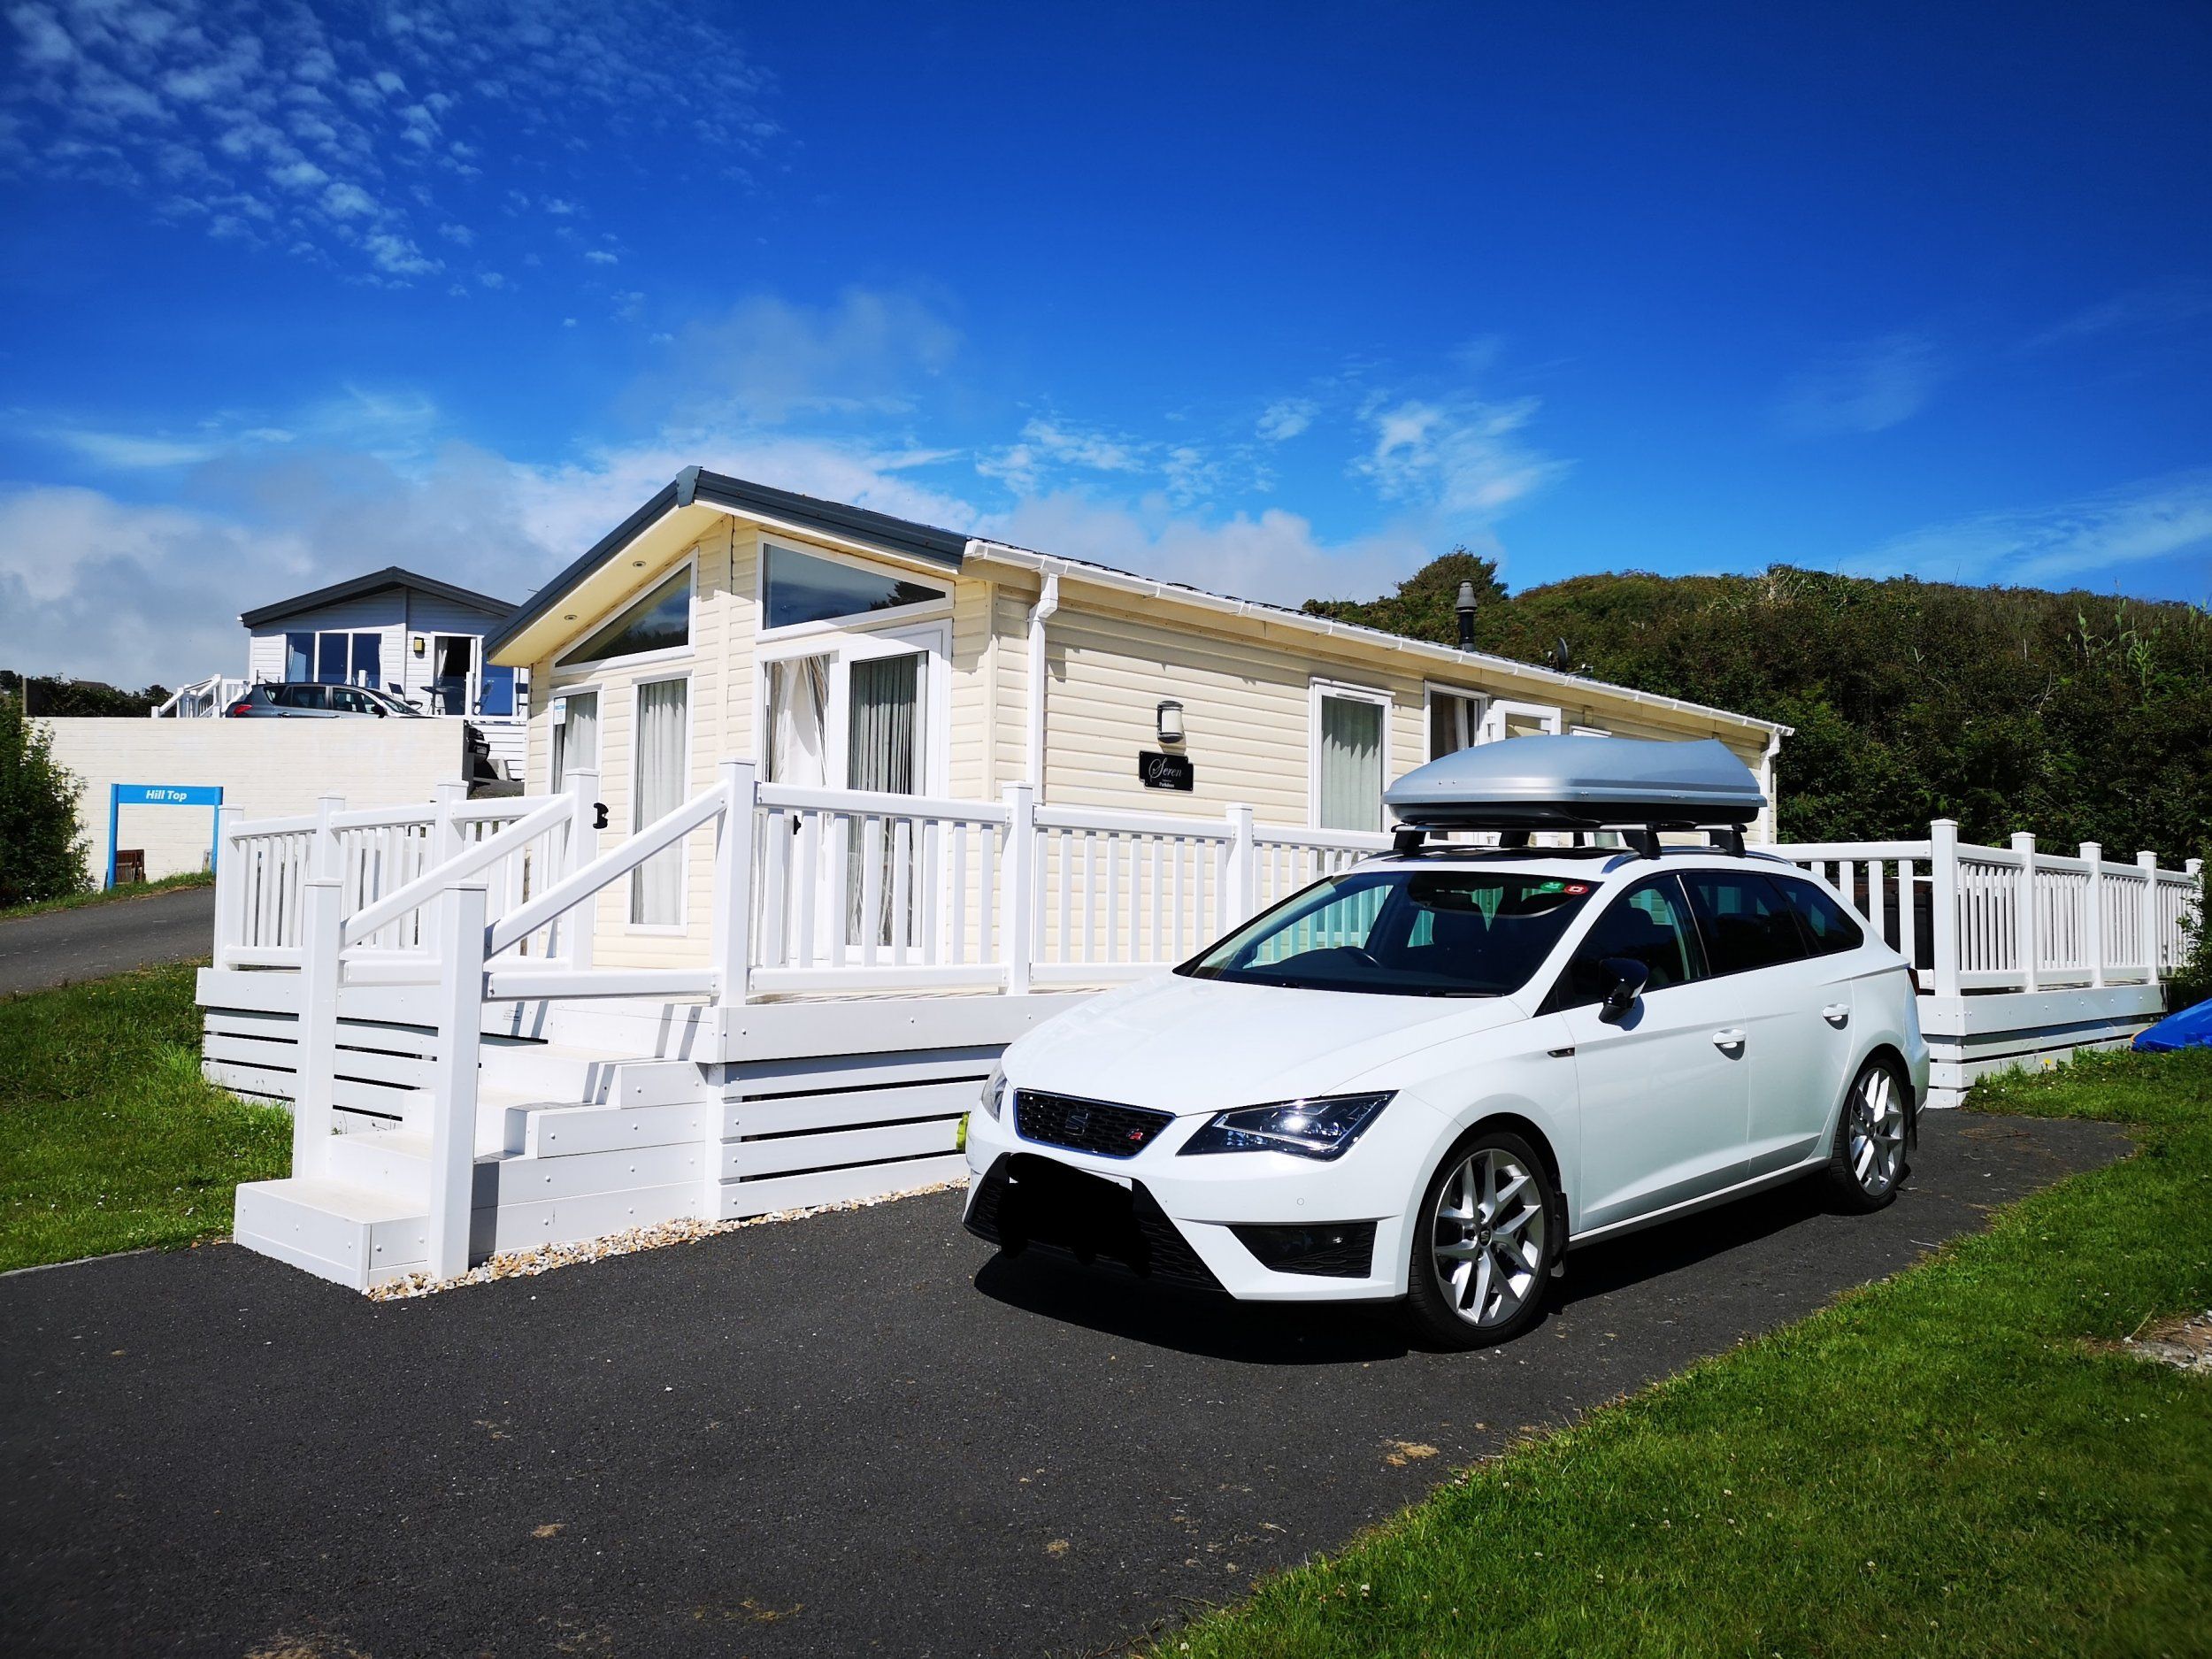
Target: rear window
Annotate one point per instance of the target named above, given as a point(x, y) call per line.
point(1746, 922)
point(1829, 927)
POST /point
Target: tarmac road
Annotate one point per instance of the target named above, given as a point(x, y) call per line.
point(63, 947)
point(851, 1434)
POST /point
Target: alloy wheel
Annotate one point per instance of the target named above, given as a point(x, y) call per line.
point(1878, 1132)
point(1488, 1237)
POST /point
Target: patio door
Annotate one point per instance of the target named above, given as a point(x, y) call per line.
point(861, 711)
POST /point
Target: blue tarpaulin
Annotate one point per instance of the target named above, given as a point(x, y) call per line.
point(2192, 1028)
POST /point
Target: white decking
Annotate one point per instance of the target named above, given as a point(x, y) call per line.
point(465, 1080)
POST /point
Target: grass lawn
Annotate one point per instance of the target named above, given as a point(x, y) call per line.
point(109, 1139)
point(1948, 1462)
point(111, 895)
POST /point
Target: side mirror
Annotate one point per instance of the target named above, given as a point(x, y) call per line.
point(1629, 979)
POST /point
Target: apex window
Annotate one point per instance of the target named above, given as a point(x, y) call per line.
point(800, 587)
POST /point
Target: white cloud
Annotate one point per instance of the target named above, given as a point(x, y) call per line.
point(2158, 306)
point(2081, 541)
point(1464, 458)
point(357, 112)
point(1273, 556)
point(1868, 388)
point(600, 255)
point(765, 359)
point(1286, 417)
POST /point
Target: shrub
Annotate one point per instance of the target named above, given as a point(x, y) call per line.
point(42, 851)
point(2192, 980)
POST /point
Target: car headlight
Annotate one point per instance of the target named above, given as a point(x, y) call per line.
point(1319, 1128)
point(995, 1092)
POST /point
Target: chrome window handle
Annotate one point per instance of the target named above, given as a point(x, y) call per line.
point(1729, 1038)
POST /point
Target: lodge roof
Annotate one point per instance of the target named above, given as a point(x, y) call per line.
point(375, 581)
point(950, 550)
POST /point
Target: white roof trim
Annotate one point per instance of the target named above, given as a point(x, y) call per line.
point(1149, 588)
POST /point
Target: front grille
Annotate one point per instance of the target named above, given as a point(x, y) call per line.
point(1343, 1249)
point(1087, 1126)
point(1024, 1200)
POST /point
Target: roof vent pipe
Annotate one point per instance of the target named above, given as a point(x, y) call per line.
point(1466, 616)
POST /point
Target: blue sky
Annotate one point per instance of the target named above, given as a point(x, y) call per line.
point(1281, 300)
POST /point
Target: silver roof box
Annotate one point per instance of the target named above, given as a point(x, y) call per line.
point(1579, 783)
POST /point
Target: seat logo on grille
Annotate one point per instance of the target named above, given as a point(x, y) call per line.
point(1076, 1121)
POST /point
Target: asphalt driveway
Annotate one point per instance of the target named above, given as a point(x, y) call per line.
point(63, 947)
point(851, 1434)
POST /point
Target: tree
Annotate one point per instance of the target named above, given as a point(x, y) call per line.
point(2078, 717)
point(42, 852)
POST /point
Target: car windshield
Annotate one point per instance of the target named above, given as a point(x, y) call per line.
point(1404, 931)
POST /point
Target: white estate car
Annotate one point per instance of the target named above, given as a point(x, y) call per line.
point(1428, 1077)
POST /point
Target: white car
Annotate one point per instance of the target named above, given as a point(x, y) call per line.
point(1427, 1078)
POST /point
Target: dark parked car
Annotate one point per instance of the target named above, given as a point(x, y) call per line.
point(308, 700)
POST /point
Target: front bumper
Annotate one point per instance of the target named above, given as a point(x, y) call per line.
point(1262, 1226)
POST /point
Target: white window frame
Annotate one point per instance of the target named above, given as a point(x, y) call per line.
point(1587, 731)
point(563, 664)
point(1317, 690)
point(1552, 718)
point(844, 646)
point(581, 688)
point(682, 924)
point(1431, 690)
point(860, 621)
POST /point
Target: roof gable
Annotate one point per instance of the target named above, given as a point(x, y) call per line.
point(694, 486)
point(375, 581)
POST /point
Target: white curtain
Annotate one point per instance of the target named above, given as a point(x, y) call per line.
point(1351, 764)
point(662, 721)
point(884, 694)
point(576, 743)
point(798, 722)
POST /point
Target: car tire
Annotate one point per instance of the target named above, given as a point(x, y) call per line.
point(1488, 1231)
point(1866, 1163)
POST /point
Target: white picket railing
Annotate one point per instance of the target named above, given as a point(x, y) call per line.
point(2013, 918)
point(838, 891)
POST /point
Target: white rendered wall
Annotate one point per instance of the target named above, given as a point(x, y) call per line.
point(268, 768)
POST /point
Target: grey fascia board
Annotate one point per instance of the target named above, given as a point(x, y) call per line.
point(947, 548)
point(663, 500)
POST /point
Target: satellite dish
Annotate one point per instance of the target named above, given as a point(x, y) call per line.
point(1562, 658)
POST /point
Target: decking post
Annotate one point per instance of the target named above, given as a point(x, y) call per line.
point(2148, 927)
point(583, 846)
point(445, 842)
point(230, 885)
point(1017, 886)
point(322, 946)
point(324, 860)
point(1240, 887)
point(453, 1078)
point(733, 947)
point(2092, 910)
point(1943, 870)
point(2024, 932)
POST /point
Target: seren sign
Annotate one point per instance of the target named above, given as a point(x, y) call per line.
point(1157, 770)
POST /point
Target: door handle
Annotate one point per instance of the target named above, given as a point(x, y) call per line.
point(1729, 1038)
point(1837, 1014)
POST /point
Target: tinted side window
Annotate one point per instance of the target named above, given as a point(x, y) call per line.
point(1648, 924)
point(1828, 925)
point(303, 698)
point(1746, 922)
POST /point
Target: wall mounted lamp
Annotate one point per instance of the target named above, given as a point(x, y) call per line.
point(1168, 718)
